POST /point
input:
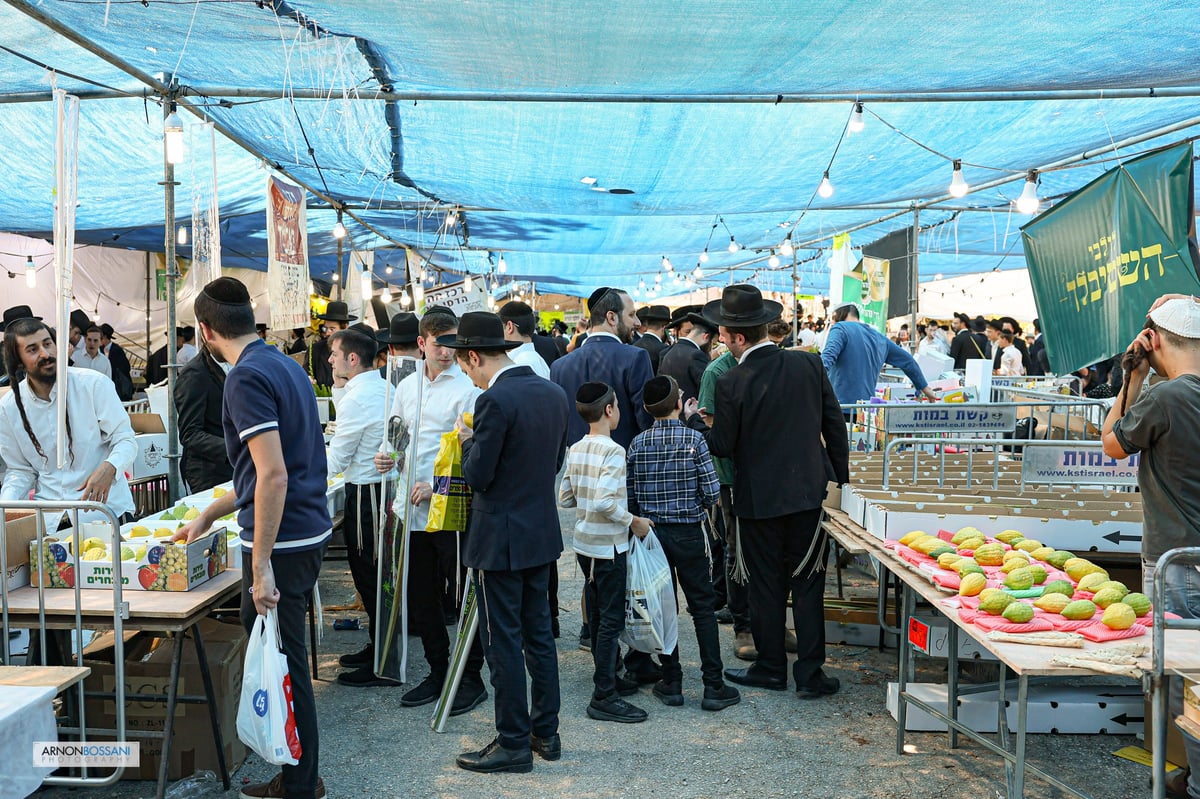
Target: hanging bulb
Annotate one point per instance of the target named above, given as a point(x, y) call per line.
point(855, 125)
point(502, 265)
point(181, 235)
point(642, 285)
point(385, 296)
point(733, 245)
point(311, 289)
point(254, 305)
point(704, 256)
point(339, 230)
point(826, 188)
point(491, 303)
point(468, 283)
point(1028, 202)
point(785, 248)
point(405, 300)
point(773, 261)
point(335, 277)
point(387, 270)
point(366, 284)
point(698, 273)
point(173, 136)
point(958, 186)
point(658, 280)
point(30, 272)
point(423, 274)
point(666, 263)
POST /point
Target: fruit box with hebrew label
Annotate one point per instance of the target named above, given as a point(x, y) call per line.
point(153, 566)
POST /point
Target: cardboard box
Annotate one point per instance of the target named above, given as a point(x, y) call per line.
point(151, 438)
point(856, 622)
point(1175, 751)
point(1191, 700)
point(20, 531)
point(939, 640)
point(1100, 709)
point(148, 671)
point(162, 568)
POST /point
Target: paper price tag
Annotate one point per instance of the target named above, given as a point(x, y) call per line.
point(918, 635)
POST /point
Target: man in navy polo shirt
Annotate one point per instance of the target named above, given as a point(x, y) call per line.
point(275, 444)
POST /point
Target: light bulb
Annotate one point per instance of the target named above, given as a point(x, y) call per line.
point(733, 245)
point(311, 288)
point(173, 136)
point(387, 270)
point(502, 265)
point(1028, 202)
point(642, 285)
point(253, 305)
point(366, 284)
point(785, 248)
point(826, 188)
point(468, 283)
point(958, 186)
point(657, 279)
point(773, 261)
point(30, 272)
point(557, 306)
point(704, 256)
point(666, 263)
point(491, 303)
point(181, 235)
point(385, 296)
point(855, 124)
point(698, 273)
point(335, 277)
point(339, 230)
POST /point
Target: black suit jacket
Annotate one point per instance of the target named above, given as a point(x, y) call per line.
point(686, 363)
point(963, 347)
point(511, 463)
point(1037, 357)
point(654, 345)
point(624, 367)
point(199, 389)
point(772, 412)
point(121, 371)
point(545, 348)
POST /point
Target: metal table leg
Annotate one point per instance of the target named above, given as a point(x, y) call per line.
point(211, 695)
point(1002, 727)
point(169, 721)
point(902, 670)
point(952, 681)
point(1159, 721)
point(1018, 786)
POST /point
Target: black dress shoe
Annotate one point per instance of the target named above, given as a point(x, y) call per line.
point(754, 678)
point(365, 677)
point(495, 758)
point(549, 748)
point(427, 690)
point(363, 657)
point(471, 695)
point(820, 685)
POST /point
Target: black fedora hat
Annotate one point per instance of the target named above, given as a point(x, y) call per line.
point(403, 329)
point(681, 315)
point(654, 313)
point(337, 311)
point(742, 305)
point(17, 312)
point(478, 330)
point(697, 319)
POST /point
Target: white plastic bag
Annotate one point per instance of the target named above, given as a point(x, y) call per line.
point(265, 721)
point(651, 623)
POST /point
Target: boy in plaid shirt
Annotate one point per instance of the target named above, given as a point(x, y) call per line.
point(671, 481)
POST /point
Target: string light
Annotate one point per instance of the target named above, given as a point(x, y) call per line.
point(339, 230)
point(335, 277)
point(1028, 202)
point(958, 186)
point(855, 125)
point(641, 285)
point(311, 289)
point(387, 270)
point(785, 247)
point(698, 273)
point(385, 296)
point(733, 245)
point(468, 283)
point(826, 188)
point(30, 272)
point(173, 136)
point(502, 265)
point(181, 235)
point(666, 264)
point(366, 284)
point(704, 256)
point(773, 261)
point(657, 280)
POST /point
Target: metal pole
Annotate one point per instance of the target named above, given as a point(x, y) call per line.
point(795, 303)
point(149, 295)
point(912, 281)
point(341, 277)
point(174, 483)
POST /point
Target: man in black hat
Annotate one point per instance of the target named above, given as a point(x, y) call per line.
point(121, 371)
point(654, 320)
point(11, 315)
point(188, 350)
point(511, 460)
point(337, 317)
point(778, 419)
point(401, 336)
point(156, 364)
point(688, 359)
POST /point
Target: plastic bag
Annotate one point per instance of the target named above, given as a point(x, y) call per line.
point(450, 505)
point(265, 721)
point(651, 623)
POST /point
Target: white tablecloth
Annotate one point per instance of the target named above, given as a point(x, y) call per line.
point(26, 715)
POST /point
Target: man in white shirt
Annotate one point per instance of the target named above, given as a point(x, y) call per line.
point(188, 350)
point(92, 358)
point(100, 441)
point(807, 336)
point(934, 341)
point(429, 404)
point(519, 325)
point(359, 434)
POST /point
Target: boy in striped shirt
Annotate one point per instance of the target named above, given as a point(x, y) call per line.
point(594, 484)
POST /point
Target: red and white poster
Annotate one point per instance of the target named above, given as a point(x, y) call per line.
point(287, 255)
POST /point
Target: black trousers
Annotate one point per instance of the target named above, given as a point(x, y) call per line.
point(684, 547)
point(605, 585)
point(358, 528)
point(515, 626)
point(735, 592)
point(772, 549)
point(433, 556)
point(720, 577)
point(295, 575)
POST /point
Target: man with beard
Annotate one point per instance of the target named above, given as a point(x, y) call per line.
point(100, 443)
point(337, 317)
point(688, 359)
point(654, 320)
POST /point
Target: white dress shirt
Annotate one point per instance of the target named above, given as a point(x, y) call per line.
point(766, 342)
point(442, 401)
point(100, 432)
point(527, 355)
point(98, 364)
point(186, 353)
point(359, 431)
point(807, 337)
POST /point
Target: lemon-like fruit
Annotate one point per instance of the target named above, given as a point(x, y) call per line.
point(139, 532)
point(219, 492)
point(93, 543)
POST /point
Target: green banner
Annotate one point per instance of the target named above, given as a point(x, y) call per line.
point(867, 287)
point(1100, 258)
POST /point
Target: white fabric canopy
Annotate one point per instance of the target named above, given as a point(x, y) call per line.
point(990, 294)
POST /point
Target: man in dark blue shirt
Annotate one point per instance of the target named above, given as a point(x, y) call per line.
point(275, 444)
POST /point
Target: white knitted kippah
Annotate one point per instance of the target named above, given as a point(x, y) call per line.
point(1179, 316)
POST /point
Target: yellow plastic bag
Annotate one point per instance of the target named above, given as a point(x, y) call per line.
point(450, 505)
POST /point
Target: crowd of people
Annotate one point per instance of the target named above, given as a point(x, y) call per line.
point(705, 426)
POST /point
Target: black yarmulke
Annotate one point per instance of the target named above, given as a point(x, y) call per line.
point(515, 310)
point(590, 392)
point(596, 296)
point(228, 290)
point(660, 395)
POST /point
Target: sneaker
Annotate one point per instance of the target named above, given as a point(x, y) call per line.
point(669, 693)
point(820, 685)
point(471, 695)
point(364, 677)
point(720, 697)
point(615, 709)
point(585, 638)
point(743, 647)
point(724, 616)
point(274, 789)
point(625, 686)
point(427, 690)
point(363, 657)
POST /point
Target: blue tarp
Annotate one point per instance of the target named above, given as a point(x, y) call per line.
point(515, 168)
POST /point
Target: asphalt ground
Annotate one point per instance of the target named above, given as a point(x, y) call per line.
point(772, 744)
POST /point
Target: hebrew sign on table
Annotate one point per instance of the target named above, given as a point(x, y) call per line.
point(1099, 259)
point(287, 255)
point(458, 298)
